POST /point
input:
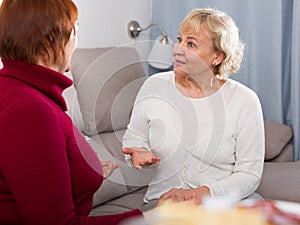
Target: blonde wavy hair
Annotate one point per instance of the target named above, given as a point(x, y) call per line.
point(224, 34)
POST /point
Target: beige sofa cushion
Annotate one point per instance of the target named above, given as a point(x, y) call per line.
point(277, 137)
point(133, 178)
point(107, 81)
point(286, 155)
point(120, 205)
point(125, 179)
point(280, 181)
point(112, 187)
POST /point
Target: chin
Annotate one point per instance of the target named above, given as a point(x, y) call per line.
point(179, 71)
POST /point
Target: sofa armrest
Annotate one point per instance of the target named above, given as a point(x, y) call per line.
point(286, 155)
point(280, 181)
point(277, 137)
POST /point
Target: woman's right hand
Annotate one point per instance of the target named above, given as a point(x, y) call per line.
point(141, 157)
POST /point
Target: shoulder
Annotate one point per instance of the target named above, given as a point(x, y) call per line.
point(160, 76)
point(242, 93)
point(26, 104)
point(157, 84)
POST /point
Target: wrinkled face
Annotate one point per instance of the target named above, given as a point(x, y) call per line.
point(70, 48)
point(193, 53)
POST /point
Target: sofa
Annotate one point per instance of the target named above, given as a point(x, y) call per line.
point(106, 81)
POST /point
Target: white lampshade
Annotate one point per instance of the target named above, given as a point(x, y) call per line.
point(161, 53)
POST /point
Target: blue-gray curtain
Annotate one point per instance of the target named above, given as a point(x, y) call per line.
point(270, 30)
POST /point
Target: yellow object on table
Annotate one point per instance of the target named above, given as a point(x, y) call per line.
point(190, 214)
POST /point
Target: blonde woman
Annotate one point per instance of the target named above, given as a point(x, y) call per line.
point(198, 130)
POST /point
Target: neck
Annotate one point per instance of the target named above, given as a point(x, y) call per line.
point(196, 84)
point(52, 67)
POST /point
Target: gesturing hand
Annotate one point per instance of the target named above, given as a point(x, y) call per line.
point(141, 157)
point(108, 168)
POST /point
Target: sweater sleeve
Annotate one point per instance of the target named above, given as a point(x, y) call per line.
point(149, 98)
point(249, 154)
point(36, 168)
point(137, 132)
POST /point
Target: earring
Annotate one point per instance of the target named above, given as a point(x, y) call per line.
point(211, 81)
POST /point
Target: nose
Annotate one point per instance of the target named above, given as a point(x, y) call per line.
point(178, 49)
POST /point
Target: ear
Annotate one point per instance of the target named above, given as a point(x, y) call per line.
point(220, 56)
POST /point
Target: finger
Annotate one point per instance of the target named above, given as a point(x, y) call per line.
point(104, 163)
point(197, 201)
point(127, 151)
point(147, 163)
point(136, 164)
point(153, 161)
point(165, 195)
point(190, 196)
point(115, 165)
point(176, 198)
point(168, 194)
point(106, 172)
point(156, 160)
point(137, 167)
point(108, 167)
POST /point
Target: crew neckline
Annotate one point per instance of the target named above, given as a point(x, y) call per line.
point(172, 77)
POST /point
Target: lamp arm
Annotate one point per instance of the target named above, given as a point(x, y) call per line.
point(164, 33)
point(134, 29)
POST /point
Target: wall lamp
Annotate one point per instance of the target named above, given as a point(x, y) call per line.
point(161, 53)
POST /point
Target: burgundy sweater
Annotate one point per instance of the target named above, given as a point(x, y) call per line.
point(48, 172)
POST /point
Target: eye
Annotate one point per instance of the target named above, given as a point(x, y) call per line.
point(191, 44)
point(179, 39)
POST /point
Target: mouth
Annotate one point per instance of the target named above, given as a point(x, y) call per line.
point(178, 62)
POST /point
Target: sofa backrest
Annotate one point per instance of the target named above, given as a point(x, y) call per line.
point(107, 81)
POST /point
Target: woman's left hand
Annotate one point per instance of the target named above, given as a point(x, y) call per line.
point(108, 167)
point(179, 195)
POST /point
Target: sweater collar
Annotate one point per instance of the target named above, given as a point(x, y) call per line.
point(50, 82)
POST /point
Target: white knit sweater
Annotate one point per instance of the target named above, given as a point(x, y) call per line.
point(217, 141)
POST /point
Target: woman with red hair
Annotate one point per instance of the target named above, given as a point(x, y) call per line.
point(48, 172)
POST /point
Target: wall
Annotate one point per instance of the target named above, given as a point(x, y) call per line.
point(104, 23)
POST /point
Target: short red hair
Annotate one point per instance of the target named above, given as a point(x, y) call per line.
point(33, 30)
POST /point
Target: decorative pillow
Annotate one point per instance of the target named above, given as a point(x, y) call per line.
point(107, 81)
point(277, 136)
